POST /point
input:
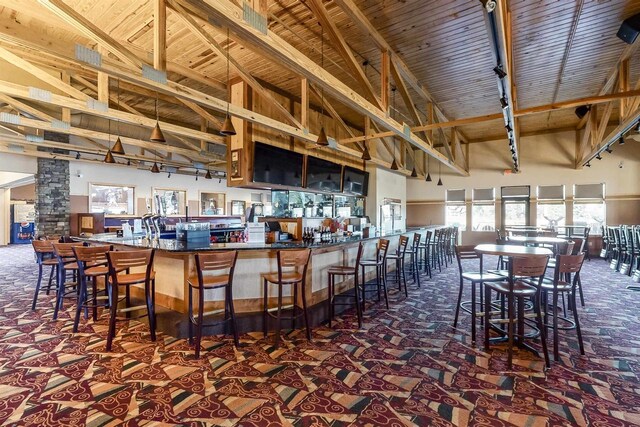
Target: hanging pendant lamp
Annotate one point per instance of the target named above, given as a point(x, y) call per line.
point(414, 173)
point(227, 128)
point(394, 165)
point(155, 168)
point(428, 179)
point(365, 153)
point(117, 147)
point(156, 133)
point(208, 175)
point(109, 157)
point(322, 141)
point(439, 174)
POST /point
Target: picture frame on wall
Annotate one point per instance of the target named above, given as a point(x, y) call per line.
point(173, 202)
point(236, 164)
point(238, 207)
point(111, 199)
point(212, 203)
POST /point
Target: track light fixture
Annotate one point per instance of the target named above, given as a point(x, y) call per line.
point(197, 173)
point(508, 127)
point(621, 140)
point(489, 5)
point(499, 72)
point(503, 102)
point(609, 149)
point(598, 156)
point(169, 176)
point(77, 155)
point(588, 164)
point(637, 127)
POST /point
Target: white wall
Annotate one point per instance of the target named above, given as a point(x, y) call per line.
point(5, 216)
point(383, 184)
point(144, 181)
point(18, 163)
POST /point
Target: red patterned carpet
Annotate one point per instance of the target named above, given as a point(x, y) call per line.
point(407, 366)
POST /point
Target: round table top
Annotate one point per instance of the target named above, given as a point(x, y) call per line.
point(512, 250)
point(538, 239)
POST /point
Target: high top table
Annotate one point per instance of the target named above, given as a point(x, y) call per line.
point(537, 240)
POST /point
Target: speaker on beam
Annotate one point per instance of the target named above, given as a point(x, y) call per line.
point(582, 111)
point(630, 29)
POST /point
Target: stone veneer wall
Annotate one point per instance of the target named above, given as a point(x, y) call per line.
point(52, 197)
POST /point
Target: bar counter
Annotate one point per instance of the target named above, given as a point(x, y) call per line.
point(174, 263)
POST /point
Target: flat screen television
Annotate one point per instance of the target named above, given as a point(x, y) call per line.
point(323, 175)
point(355, 181)
point(275, 165)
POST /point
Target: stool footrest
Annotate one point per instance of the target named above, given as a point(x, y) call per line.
point(134, 308)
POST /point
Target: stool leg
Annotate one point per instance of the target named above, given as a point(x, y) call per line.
point(112, 317)
point(35, 295)
point(384, 286)
point(150, 310)
point(200, 321)
point(556, 353)
point(580, 289)
point(232, 312)
point(487, 316)
point(278, 315)
point(295, 307)
point(190, 314)
point(266, 307)
point(305, 310)
point(82, 298)
point(59, 293)
point(378, 280)
point(331, 290)
point(473, 310)
point(364, 294)
point(54, 268)
point(577, 322)
point(95, 298)
point(404, 278)
point(455, 318)
point(511, 327)
point(358, 308)
point(543, 333)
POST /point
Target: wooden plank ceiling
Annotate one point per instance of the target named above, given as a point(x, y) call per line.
point(562, 50)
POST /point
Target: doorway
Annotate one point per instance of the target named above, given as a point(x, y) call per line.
point(515, 204)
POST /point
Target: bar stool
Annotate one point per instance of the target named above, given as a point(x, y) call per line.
point(346, 271)
point(398, 258)
point(293, 261)
point(476, 277)
point(425, 248)
point(126, 260)
point(380, 264)
point(415, 258)
point(224, 264)
point(516, 288)
point(92, 264)
point(66, 262)
point(565, 266)
point(43, 250)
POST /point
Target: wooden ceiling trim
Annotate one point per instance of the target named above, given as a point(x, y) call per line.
point(277, 49)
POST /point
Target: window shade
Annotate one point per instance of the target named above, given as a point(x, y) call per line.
point(588, 191)
point(483, 195)
point(515, 191)
point(455, 195)
point(551, 192)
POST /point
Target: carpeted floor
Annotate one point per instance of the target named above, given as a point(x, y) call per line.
point(406, 366)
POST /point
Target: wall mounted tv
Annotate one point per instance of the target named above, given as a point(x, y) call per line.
point(355, 181)
point(323, 175)
point(275, 165)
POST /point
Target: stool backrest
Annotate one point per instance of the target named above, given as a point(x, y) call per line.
point(358, 259)
point(566, 248)
point(121, 260)
point(96, 255)
point(216, 261)
point(578, 245)
point(532, 266)
point(416, 242)
point(402, 245)
point(568, 264)
point(383, 248)
point(42, 246)
point(64, 251)
point(465, 252)
point(428, 237)
point(294, 259)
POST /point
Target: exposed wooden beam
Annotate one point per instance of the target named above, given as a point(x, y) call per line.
point(113, 98)
point(624, 86)
point(340, 44)
point(88, 29)
point(276, 49)
point(211, 42)
point(159, 35)
point(629, 122)
point(304, 103)
point(21, 106)
point(406, 98)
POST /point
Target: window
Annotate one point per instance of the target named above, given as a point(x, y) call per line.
point(551, 207)
point(515, 206)
point(483, 210)
point(111, 199)
point(456, 210)
point(172, 202)
point(589, 207)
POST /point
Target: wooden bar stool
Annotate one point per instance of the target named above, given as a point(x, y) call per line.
point(120, 261)
point(92, 264)
point(45, 258)
point(346, 271)
point(66, 263)
point(517, 289)
point(380, 264)
point(560, 285)
point(292, 271)
point(214, 271)
point(398, 258)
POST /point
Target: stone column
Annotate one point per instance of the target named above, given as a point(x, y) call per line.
point(53, 204)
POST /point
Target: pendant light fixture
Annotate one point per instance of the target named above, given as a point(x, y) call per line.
point(428, 179)
point(365, 153)
point(155, 168)
point(414, 173)
point(117, 147)
point(208, 175)
point(156, 133)
point(439, 174)
point(109, 157)
point(322, 141)
point(227, 127)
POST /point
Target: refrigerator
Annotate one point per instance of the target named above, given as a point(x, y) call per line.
point(22, 223)
point(391, 216)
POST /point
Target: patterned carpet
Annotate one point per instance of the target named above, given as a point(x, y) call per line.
point(407, 366)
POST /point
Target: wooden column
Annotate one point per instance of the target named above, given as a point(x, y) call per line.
point(240, 146)
point(159, 35)
point(384, 80)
